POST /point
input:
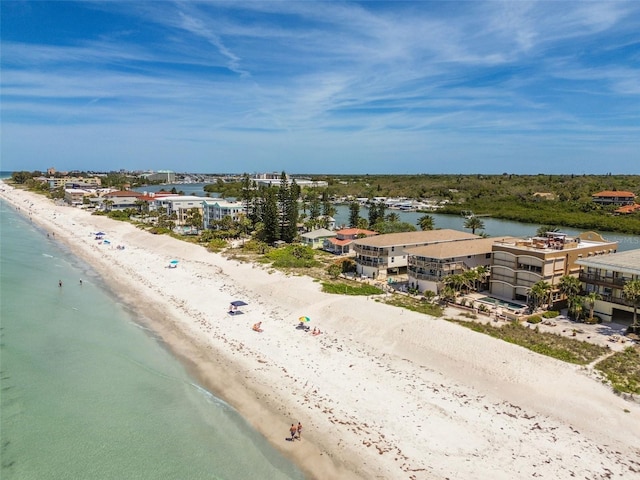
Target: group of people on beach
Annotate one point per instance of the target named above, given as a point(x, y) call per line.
point(296, 431)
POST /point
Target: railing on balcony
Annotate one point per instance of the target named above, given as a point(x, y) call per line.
point(619, 301)
point(370, 263)
point(369, 251)
point(601, 280)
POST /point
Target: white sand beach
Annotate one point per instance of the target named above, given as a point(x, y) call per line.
point(382, 393)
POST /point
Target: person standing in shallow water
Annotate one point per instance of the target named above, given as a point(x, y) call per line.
point(60, 283)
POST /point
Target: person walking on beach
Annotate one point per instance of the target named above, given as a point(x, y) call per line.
point(293, 431)
point(299, 429)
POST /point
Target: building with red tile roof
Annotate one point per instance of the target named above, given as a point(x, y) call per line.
point(627, 209)
point(613, 197)
point(340, 244)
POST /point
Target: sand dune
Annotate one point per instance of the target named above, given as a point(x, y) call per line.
point(382, 393)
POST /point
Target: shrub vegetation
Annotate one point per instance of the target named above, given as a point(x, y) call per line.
point(550, 344)
point(350, 288)
point(622, 369)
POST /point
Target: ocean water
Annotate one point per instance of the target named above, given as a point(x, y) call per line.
point(88, 393)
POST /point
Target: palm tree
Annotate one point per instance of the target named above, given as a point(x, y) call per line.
point(454, 281)
point(470, 278)
point(473, 223)
point(141, 204)
point(426, 222)
point(575, 307)
point(483, 273)
point(541, 292)
point(570, 287)
point(392, 217)
point(447, 293)
point(631, 293)
point(542, 231)
point(591, 298)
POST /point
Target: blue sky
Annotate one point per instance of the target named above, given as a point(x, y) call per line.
point(321, 87)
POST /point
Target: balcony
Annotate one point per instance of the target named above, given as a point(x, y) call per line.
point(596, 279)
point(617, 301)
point(365, 262)
point(368, 251)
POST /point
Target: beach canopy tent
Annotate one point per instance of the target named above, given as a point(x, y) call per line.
point(233, 310)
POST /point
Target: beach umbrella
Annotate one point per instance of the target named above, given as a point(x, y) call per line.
point(304, 319)
point(239, 303)
point(173, 261)
point(100, 233)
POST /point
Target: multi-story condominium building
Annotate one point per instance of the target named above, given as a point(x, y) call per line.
point(180, 205)
point(72, 182)
point(274, 179)
point(121, 200)
point(382, 254)
point(166, 176)
point(607, 275)
point(428, 265)
point(518, 264)
point(75, 196)
point(217, 209)
point(612, 197)
point(340, 244)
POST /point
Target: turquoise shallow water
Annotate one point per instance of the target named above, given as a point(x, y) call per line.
point(88, 393)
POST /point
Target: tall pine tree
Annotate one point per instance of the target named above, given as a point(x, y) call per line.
point(291, 213)
point(270, 217)
point(283, 205)
point(354, 214)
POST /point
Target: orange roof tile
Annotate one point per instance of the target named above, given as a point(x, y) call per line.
point(124, 193)
point(613, 193)
point(356, 231)
point(628, 208)
point(339, 243)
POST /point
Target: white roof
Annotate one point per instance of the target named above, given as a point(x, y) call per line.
point(222, 202)
point(319, 233)
point(182, 198)
point(625, 262)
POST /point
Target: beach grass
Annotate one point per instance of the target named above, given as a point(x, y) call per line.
point(622, 370)
point(550, 344)
point(344, 288)
point(414, 304)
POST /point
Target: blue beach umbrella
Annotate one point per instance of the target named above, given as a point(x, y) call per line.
point(173, 262)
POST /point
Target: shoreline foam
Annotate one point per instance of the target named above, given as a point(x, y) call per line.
point(382, 393)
